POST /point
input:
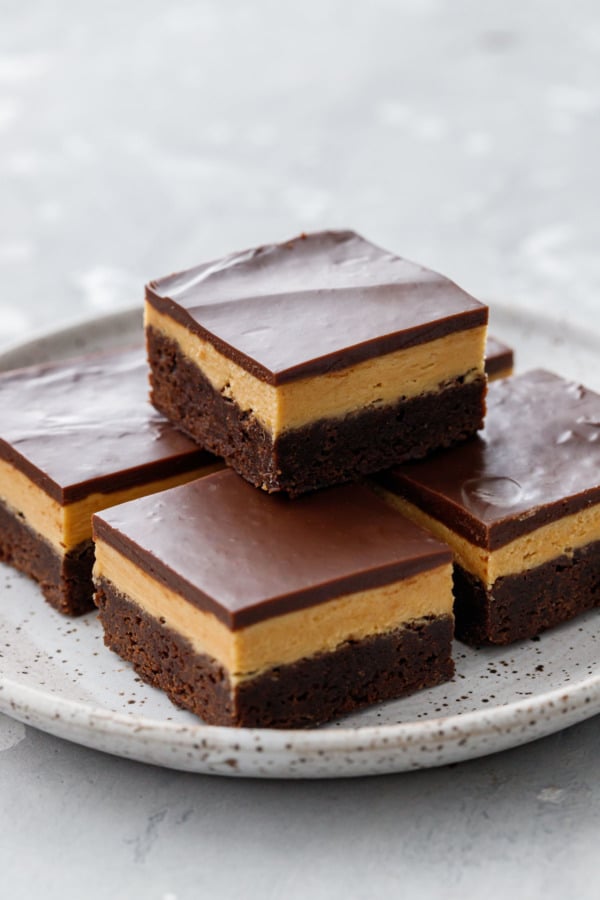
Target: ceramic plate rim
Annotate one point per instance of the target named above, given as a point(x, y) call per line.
point(580, 695)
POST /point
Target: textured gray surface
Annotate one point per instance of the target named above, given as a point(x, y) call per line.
point(524, 824)
point(136, 138)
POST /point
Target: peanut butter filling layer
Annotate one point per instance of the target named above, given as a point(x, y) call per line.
point(560, 538)
point(64, 527)
point(283, 639)
point(380, 381)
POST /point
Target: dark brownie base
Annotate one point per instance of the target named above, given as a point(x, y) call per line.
point(521, 606)
point(66, 581)
point(323, 453)
point(306, 693)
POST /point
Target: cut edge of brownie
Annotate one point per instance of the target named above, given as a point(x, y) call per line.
point(325, 452)
point(523, 605)
point(65, 580)
point(307, 693)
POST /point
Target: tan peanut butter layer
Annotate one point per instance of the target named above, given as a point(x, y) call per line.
point(559, 538)
point(66, 526)
point(379, 381)
point(286, 638)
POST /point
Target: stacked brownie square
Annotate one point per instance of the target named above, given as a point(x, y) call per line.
point(317, 361)
point(278, 598)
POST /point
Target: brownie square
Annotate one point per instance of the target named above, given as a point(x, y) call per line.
point(520, 506)
point(76, 437)
point(316, 361)
point(259, 610)
point(499, 359)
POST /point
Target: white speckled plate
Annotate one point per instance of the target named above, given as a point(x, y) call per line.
point(56, 674)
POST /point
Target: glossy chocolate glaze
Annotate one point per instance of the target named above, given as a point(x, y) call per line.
point(87, 425)
point(247, 556)
point(314, 304)
point(537, 460)
point(499, 357)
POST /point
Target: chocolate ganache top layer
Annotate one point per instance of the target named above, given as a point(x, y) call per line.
point(314, 304)
point(87, 425)
point(247, 556)
point(537, 460)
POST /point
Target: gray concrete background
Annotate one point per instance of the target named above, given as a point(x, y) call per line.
point(138, 138)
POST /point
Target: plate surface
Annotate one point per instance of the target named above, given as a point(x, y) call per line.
point(56, 674)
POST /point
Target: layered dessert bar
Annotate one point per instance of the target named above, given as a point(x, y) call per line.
point(259, 610)
point(499, 359)
point(520, 506)
point(76, 437)
point(316, 361)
